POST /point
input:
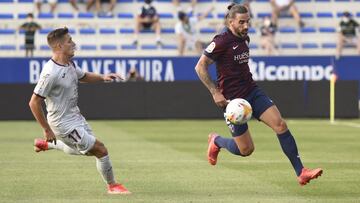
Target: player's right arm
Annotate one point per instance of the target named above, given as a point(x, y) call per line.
point(36, 109)
point(202, 70)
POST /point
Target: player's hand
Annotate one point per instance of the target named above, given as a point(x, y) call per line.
point(49, 136)
point(112, 77)
point(219, 99)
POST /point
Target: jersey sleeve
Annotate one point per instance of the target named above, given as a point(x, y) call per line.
point(215, 49)
point(79, 73)
point(45, 84)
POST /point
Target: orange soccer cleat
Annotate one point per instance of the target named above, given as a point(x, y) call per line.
point(40, 145)
point(213, 150)
point(118, 189)
point(309, 174)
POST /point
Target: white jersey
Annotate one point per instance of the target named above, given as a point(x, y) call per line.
point(188, 31)
point(58, 84)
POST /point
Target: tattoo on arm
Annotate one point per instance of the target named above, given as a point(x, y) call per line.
point(202, 71)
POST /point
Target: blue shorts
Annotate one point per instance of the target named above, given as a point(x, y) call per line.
point(259, 102)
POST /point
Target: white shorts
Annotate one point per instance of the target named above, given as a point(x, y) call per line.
point(81, 139)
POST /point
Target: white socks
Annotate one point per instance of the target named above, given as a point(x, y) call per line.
point(104, 167)
point(63, 147)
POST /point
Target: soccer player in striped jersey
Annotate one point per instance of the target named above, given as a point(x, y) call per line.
point(230, 51)
point(65, 128)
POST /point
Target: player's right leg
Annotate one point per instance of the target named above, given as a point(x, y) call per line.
point(104, 166)
point(241, 144)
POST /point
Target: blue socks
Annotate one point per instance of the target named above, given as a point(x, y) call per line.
point(227, 143)
point(289, 147)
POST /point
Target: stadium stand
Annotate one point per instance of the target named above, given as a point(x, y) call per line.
point(112, 35)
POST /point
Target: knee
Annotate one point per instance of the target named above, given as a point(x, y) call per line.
point(280, 126)
point(100, 149)
point(247, 151)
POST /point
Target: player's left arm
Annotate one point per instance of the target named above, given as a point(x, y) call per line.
point(94, 77)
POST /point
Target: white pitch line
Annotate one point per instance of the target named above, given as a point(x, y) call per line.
point(350, 124)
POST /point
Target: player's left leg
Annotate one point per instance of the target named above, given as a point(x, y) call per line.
point(273, 119)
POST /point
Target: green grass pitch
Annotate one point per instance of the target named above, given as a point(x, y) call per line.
point(165, 161)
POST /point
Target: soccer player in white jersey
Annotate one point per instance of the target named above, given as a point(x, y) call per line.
point(65, 128)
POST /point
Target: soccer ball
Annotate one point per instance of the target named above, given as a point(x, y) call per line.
point(238, 111)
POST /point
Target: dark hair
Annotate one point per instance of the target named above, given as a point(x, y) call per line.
point(30, 15)
point(181, 15)
point(234, 9)
point(56, 35)
point(347, 14)
point(147, 1)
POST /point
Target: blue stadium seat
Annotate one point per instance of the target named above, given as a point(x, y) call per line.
point(301, 1)
point(88, 47)
point(45, 16)
point(263, 1)
point(126, 30)
point(169, 46)
point(87, 15)
point(327, 29)
point(44, 48)
point(108, 47)
point(147, 31)
point(252, 30)
point(128, 47)
point(253, 46)
point(324, 15)
point(149, 47)
point(328, 45)
point(45, 31)
point(72, 31)
point(207, 30)
point(25, 1)
point(107, 31)
point(263, 15)
point(22, 16)
point(105, 16)
point(358, 14)
point(125, 1)
point(289, 46)
point(168, 30)
point(6, 1)
point(166, 15)
point(340, 14)
point(221, 15)
point(65, 15)
point(306, 15)
point(204, 1)
point(342, 0)
point(87, 31)
point(125, 15)
point(308, 30)
point(287, 30)
point(309, 45)
point(7, 31)
point(164, 1)
point(6, 16)
point(323, 1)
point(7, 47)
point(63, 1)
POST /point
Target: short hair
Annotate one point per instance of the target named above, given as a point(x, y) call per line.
point(56, 35)
point(347, 14)
point(181, 15)
point(30, 15)
point(234, 9)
